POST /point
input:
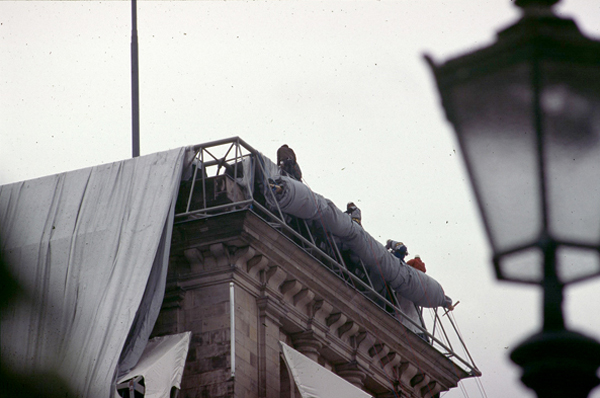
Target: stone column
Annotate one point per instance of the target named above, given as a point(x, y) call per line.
point(308, 344)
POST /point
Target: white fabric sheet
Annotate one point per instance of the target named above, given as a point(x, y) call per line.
point(82, 244)
point(162, 364)
point(314, 381)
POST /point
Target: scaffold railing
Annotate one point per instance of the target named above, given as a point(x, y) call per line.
point(226, 176)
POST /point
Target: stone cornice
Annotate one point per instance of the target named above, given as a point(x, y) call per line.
point(325, 317)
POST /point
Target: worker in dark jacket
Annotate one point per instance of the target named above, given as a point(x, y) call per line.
point(398, 249)
point(286, 160)
point(417, 263)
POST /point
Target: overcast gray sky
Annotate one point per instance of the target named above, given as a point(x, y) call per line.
point(342, 82)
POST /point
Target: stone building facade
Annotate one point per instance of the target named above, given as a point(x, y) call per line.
point(238, 269)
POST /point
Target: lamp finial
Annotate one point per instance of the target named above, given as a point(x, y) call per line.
point(535, 3)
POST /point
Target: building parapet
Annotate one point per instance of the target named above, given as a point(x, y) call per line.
point(227, 231)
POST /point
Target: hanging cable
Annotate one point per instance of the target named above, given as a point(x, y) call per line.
point(478, 382)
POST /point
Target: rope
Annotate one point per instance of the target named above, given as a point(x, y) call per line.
point(477, 379)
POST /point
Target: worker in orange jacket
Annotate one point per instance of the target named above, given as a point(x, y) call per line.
point(417, 263)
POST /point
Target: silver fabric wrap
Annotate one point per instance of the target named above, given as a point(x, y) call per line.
point(266, 169)
point(298, 200)
point(410, 312)
point(90, 249)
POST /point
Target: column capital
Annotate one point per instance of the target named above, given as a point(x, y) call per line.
point(352, 372)
point(308, 343)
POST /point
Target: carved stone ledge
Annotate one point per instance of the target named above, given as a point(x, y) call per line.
point(334, 321)
point(303, 297)
point(362, 342)
point(257, 264)
point(390, 361)
point(406, 372)
point(275, 277)
point(242, 256)
point(347, 330)
point(379, 351)
point(431, 389)
point(359, 338)
point(195, 258)
point(419, 380)
point(321, 311)
point(289, 289)
point(220, 254)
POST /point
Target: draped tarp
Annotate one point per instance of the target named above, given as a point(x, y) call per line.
point(82, 244)
point(409, 315)
point(266, 170)
point(298, 200)
point(151, 303)
point(161, 364)
point(314, 381)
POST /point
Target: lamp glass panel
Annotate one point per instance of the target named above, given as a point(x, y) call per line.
point(524, 266)
point(570, 104)
point(493, 117)
point(576, 264)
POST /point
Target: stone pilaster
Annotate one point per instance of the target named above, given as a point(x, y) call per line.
point(268, 348)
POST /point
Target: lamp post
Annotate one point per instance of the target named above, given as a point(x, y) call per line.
point(526, 111)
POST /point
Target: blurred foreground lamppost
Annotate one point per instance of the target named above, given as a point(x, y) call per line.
point(526, 111)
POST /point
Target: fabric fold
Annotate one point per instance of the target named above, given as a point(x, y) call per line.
point(82, 245)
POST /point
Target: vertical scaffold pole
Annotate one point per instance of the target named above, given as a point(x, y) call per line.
point(135, 86)
point(232, 326)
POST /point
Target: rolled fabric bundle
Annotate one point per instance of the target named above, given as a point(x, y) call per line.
point(298, 200)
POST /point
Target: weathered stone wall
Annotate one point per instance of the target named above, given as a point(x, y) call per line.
point(205, 312)
point(246, 344)
point(282, 293)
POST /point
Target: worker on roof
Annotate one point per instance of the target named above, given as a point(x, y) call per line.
point(398, 249)
point(354, 213)
point(417, 263)
point(286, 160)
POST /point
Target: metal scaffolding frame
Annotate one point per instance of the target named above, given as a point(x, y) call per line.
point(224, 159)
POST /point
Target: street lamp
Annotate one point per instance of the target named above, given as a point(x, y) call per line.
point(526, 111)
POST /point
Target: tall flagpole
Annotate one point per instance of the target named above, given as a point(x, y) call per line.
point(135, 86)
